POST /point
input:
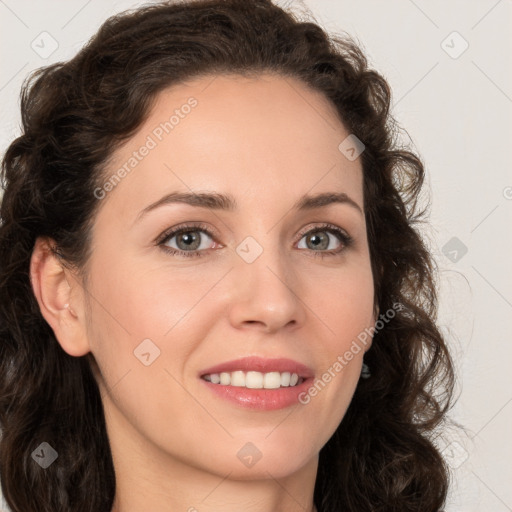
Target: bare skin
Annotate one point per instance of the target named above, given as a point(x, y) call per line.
point(265, 141)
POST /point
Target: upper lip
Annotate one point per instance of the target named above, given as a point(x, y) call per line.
point(260, 364)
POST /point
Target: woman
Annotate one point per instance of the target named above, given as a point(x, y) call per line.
point(213, 293)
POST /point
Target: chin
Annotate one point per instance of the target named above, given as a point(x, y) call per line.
point(262, 454)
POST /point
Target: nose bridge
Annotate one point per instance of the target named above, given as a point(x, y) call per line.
point(265, 284)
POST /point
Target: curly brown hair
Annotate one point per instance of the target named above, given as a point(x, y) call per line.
point(382, 457)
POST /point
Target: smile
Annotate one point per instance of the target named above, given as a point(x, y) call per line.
point(255, 380)
point(258, 383)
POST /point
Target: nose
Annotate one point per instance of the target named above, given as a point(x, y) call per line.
point(265, 294)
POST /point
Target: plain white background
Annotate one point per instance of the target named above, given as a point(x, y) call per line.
point(449, 67)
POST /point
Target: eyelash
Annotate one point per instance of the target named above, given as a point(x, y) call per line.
point(343, 237)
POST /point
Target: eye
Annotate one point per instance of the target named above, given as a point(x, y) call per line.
point(326, 240)
point(195, 240)
point(187, 240)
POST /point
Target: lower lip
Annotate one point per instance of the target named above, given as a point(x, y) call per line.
point(260, 399)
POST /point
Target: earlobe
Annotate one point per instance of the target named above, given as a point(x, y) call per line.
point(60, 298)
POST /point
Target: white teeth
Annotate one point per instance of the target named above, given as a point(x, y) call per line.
point(238, 379)
point(272, 380)
point(254, 380)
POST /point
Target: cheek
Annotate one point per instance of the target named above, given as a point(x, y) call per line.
point(138, 310)
point(142, 302)
point(346, 311)
point(142, 331)
point(345, 304)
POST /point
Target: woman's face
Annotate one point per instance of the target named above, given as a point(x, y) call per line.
point(257, 276)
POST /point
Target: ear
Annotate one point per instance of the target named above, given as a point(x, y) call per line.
point(60, 298)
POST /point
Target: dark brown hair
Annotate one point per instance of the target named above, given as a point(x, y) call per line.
point(382, 457)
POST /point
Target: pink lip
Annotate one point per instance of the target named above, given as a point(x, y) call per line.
point(259, 364)
point(261, 399)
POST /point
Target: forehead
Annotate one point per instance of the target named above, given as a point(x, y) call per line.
point(271, 135)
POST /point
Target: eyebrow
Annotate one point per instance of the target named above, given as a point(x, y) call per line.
point(227, 202)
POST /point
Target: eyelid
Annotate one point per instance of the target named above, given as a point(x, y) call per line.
point(323, 226)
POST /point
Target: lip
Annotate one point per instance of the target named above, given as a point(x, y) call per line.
point(260, 399)
point(263, 365)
